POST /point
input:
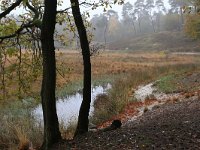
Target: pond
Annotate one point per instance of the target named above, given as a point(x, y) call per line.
point(68, 108)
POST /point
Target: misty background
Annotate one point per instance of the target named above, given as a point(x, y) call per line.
point(135, 25)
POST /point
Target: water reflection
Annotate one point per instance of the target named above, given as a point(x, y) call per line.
point(68, 108)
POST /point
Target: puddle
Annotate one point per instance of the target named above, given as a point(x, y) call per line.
point(68, 108)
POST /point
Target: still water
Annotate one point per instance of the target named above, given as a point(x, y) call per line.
point(68, 108)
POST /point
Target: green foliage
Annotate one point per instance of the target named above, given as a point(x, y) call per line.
point(19, 70)
point(23, 78)
point(192, 26)
point(37, 22)
point(7, 27)
point(4, 4)
point(166, 84)
point(60, 18)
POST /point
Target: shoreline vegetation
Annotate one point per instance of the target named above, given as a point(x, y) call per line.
point(124, 70)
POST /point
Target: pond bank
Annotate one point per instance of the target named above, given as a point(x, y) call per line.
point(147, 97)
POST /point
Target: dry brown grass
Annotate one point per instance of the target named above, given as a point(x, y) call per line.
point(106, 63)
point(114, 62)
point(22, 137)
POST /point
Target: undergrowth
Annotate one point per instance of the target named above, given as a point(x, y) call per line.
point(111, 104)
point(167, 84)
point(18, 127)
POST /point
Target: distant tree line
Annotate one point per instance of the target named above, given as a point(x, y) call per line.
point(142, 17)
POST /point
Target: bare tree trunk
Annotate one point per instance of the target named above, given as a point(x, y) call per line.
point(158, 22)
point(139, 23)
point(83, 120)
point(134, 28)
point(51, 125)
point(152, 23)
point(182, 19)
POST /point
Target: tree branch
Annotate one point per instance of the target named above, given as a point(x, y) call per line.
point(17, 32)
point(82, 3)
point(34, 10)
point(32, 23)
point(9, 9)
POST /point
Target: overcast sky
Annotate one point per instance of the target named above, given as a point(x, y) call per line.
point(99, 10)
point(115, 7)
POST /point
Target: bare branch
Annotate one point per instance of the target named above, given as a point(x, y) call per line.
point(82, 3)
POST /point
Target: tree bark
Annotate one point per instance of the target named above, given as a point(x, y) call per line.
point(83, 120)
point(51, 125)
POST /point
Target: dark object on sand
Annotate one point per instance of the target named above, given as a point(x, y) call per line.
point(115, 125)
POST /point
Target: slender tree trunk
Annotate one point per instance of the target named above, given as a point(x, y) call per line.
point(105, 33)
point(195, 9)
point(182, 18)
point(134, 28)
point(83, 120)
point(158, 22)
point(51, 125)
point(139, 23)
point(152, 23)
